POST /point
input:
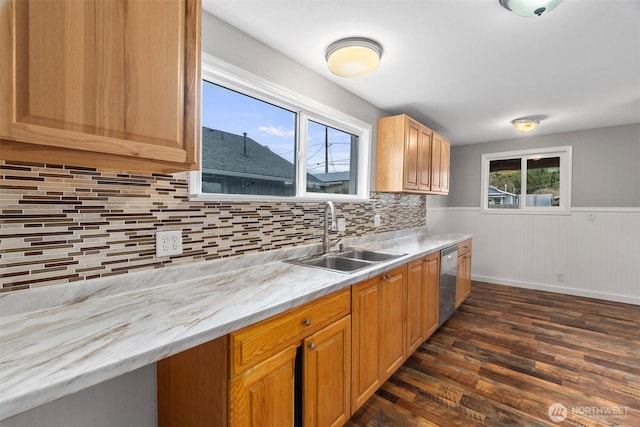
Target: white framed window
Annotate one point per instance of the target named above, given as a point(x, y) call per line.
point(261, 141)
point(527, 181)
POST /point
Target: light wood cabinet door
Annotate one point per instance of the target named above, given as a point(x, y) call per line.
point(463, 282)
point(327, 376)
point(393, 322)
point(264, 395)
point(445, 166)
point(424, 159)
point(98, 83)
point(431, 274)
point(440, 164)
point(365, 314)
point(423, 282)
point(416, 305)
point(255, 343)
point(412, 163)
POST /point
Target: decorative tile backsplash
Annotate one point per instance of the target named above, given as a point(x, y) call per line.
point(62, 223)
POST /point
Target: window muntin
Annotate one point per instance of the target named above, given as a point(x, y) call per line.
point(529, 181)
point(209, 184)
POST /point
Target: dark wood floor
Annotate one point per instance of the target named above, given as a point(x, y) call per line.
point(508, 354)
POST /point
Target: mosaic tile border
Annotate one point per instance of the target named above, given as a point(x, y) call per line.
point(62, 224)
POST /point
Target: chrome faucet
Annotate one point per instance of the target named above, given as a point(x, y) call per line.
point(326, 243)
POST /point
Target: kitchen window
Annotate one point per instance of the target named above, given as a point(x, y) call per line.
point(529, 181)
point(261, 141)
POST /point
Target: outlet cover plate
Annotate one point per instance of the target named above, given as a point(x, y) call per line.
point(168, 243)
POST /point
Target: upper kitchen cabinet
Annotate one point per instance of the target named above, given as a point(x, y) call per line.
point(440, 159)
point(113, 84)
point(406, 161)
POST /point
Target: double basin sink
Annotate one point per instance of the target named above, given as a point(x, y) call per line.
point(348, 261)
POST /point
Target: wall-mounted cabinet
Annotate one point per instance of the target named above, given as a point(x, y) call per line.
point(411, 157)
point(440, 160)
point(101, 84)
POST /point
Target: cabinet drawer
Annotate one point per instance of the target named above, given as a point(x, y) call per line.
point(464, 247)
point(258, 342)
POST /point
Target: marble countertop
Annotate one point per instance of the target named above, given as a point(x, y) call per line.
point(60, 339)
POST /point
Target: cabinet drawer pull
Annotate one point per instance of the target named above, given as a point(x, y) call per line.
point(312, 346)
point(307, 322)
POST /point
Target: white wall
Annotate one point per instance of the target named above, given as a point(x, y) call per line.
point(125, 401)
point(598, 258)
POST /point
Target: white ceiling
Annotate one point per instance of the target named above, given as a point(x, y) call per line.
point(466, 68)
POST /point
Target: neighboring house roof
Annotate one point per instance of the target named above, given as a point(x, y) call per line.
point(224, 153)
point(496, 192)
point(333, 176)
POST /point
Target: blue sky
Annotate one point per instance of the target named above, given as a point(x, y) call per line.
point(271, 126)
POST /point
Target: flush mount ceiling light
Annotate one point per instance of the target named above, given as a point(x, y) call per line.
point(529, 7)
point(353, 56)
point(525, 125)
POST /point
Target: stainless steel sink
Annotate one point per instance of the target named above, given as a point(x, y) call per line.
point(333, 262)
point(369, 255)
point(348, 261)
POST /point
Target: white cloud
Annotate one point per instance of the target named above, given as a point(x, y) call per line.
point(277, 131)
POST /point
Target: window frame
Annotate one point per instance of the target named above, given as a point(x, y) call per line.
point(231, 77)
point(565, 153)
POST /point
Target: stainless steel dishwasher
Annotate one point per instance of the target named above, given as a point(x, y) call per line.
point(448, 277)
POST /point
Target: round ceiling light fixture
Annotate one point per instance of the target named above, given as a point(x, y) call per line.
point(353, 56)
point(525, 125)
point(529, 7)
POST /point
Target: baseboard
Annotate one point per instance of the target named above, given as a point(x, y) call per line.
point(559, 289)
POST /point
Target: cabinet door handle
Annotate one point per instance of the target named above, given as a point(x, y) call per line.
point(312, 346)
point(307, 322)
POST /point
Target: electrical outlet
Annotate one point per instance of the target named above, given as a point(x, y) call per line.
point(342, 224)
point(377, 222)
point(560, 277)
point(591, 216)
point(168, 243)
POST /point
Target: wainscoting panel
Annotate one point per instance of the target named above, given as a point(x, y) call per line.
point(593, 252)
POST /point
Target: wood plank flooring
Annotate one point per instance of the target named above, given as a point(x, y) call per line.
point(508, 354)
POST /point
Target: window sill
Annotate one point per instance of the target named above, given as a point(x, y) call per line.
point(525, 212)
point(267, 199)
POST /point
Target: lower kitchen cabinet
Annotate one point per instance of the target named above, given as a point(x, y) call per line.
point(463, 282)
point(314, 365)
point(423, 277)
point(379, 331)
point(292, 367)
point(393, 319)
point(327, 376)
point(264, 395)
point(365, 312)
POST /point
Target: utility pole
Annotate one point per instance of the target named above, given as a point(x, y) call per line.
point(326, 149)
